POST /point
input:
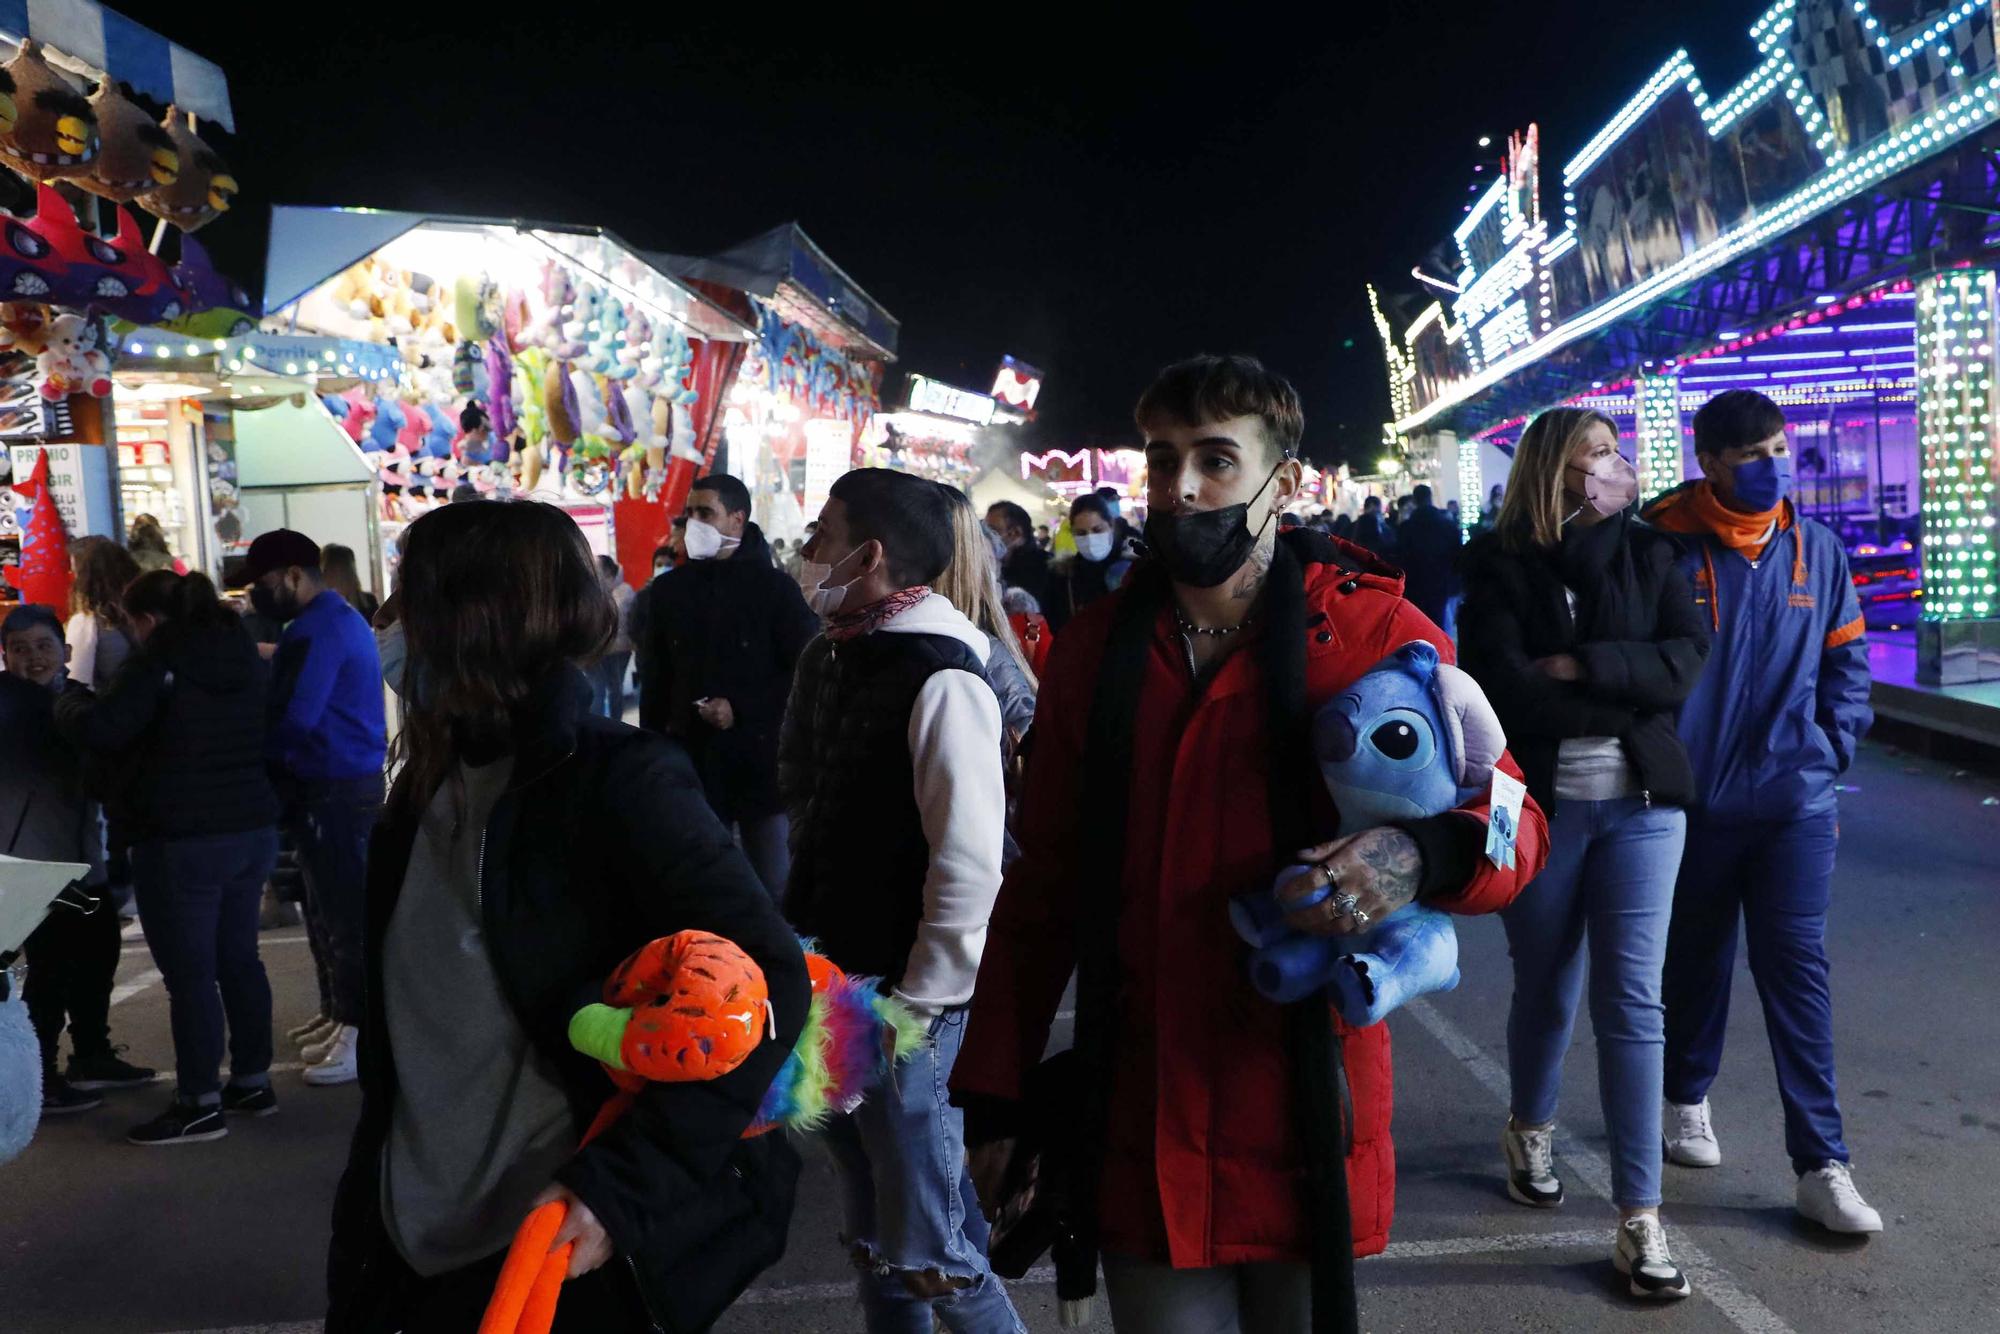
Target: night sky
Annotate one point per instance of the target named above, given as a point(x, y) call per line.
point(1215, 180)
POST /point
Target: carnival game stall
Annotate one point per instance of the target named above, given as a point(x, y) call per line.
point(1821, 231)
point(527, 360)
point(799, 404)
point(100, 120)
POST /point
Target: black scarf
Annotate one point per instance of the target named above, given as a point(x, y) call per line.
point(1317, 1074)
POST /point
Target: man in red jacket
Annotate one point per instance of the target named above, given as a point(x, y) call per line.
point(1171, 770)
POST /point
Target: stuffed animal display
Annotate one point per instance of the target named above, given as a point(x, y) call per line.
point(70, 362)
point(134, 155)
point(201, 189)
point(1413, 737)
point(55, 127)
point(691, 1007)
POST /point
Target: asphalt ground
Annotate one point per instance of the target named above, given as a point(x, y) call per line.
point(99, 1237)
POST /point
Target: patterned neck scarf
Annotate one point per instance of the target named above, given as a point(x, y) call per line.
point(866, 620)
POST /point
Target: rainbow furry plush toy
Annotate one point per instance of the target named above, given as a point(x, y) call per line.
point(693, 1006)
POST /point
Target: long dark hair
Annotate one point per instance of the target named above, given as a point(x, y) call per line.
point(496, 596)
point(184, 601)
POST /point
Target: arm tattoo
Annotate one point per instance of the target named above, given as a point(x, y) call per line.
point(1398, 865)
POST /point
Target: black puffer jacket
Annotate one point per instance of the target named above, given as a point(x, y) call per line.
point(179, 736)
point(726, 629)
point(1635, 634)
point(601, 843)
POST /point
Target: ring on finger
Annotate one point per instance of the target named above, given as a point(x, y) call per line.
point(1360, 916)
point(1346, 905)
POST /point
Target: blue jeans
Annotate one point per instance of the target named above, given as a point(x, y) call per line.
point(1610, 875)
point(198, 898)
point(607, 684)
point(332, 829)
point(908, 1199)
point(1776, 875)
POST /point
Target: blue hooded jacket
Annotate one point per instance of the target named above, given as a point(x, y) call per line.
point(1783, 704)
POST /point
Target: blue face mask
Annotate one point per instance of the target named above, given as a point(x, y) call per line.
point(1762, 483)
point(395, 655)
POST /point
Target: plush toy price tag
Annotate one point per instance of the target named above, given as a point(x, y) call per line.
point(1507, 795)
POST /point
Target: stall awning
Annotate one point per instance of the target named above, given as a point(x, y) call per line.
point(786, 268)
point(102, 41)
point(308, 246)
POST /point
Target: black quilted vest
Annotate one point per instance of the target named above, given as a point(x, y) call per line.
point(859, 855)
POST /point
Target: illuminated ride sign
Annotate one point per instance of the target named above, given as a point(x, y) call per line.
point(1018, 385)
point(935, 396)
point(1844, 95)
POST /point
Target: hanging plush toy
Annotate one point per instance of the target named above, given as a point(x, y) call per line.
point(70, 362)
point(155, 297)
point(24, 327)
point(55, 129)
point(95, 271)
point(201, 191)
point(1413, 737)
point(134, 155)
point(690, 1008)
point(44, 574)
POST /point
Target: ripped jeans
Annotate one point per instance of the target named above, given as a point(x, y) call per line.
point(911, 1216)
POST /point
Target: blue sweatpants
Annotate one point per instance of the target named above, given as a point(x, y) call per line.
point(1777, 875)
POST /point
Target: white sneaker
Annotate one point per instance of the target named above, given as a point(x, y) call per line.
point(1642, 1256)
point(316, 1029)
point(339, 1065)
point(1690, 1135)
point(1531, 1166)
point(1828, 1197)
point(314, 1051)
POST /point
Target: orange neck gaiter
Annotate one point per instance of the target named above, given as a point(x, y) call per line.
point(1746, 534)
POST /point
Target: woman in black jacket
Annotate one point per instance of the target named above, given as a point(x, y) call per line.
point(180, 734)
point(1584, 635)
point(528, 848)
point(1097, 568)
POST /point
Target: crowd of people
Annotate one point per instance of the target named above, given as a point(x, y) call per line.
point(975, 772)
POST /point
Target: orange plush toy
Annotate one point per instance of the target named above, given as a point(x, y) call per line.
point(691, 1006)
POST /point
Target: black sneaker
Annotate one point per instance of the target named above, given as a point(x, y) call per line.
point(181, 1123)
point(245, 1100)
point(60, 1096)
point(107, 1071)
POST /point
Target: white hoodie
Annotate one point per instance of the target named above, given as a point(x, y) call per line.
point(961, 796)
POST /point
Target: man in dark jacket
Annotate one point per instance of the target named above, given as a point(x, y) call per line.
point(1427, 549)
point(1026, 566)
point(45, 815)
point(329, 741)
point(1372, 532)
point(719, 638)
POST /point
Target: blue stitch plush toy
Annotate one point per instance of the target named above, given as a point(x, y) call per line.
point(1412, 737)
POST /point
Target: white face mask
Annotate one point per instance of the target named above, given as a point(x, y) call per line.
point(395, 655)
point(703, 540)
point(825, 599)
point(1094, 547)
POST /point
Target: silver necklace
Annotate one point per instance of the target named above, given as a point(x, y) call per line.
point(1189, 630)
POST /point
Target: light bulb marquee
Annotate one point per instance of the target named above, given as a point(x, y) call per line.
point(1935, 74)
point(1659, 430)
point(1955, 338)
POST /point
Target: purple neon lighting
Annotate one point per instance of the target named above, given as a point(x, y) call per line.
point(1894, 326)
point(1898, 350)
point(1796, 356)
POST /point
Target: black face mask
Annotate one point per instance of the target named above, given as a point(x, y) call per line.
point(268, 602)
point(1201, 550)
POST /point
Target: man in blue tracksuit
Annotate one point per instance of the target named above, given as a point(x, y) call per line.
point(328, 741)
point(1772, 722)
